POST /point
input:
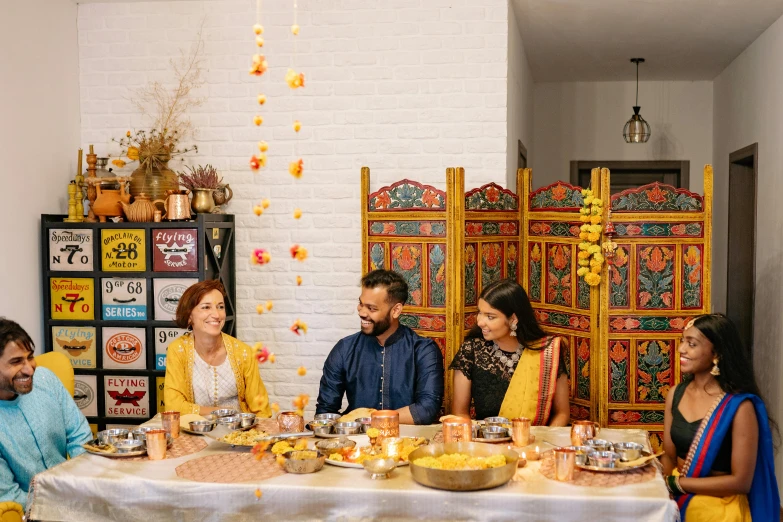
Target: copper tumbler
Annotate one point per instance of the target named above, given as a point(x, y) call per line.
point(520, 431)
point(290, 422)
point(170, 421)
point(457, 430)
point(565, 464)
point(582, 431)
point(156, 444)
point(387, 422)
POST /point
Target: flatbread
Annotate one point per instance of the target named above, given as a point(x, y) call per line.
point(185, 420)
point(358, 413)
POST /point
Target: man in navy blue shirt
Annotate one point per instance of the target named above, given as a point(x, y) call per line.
point(385, 366)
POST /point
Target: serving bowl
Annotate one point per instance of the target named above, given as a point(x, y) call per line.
point(494, 432)
point(599, 444)
point(330, 446)
point(129, 445)
point(113, 436)
point(225, 412)
point(201, 426)
point(294, 463)
point(248, 419)
point(328, 416)
point(463, 480)
point(628, 451)
point(603, 459)
point(347, 428)
point(581, 454)
point(380, 468)
point(321, 427)
point(233, 422)
point(366, 423)
point(497, 421)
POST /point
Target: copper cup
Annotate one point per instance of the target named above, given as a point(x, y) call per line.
point(582, 431)
point(565, 464)
point(157, 216)
point(156, 444)
point(290, 422)
point(520, 431)
point(170, 421)
point(457, 430)
point(387, 422)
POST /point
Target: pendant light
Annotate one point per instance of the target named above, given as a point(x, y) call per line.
point(636, 130)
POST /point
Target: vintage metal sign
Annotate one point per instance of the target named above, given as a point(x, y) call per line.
point(163, 337)
point(174, 250)
point(167, 294)
point(124, 348)
point(86, 394)
point(77, 343)
point(123, 250)
point(72, 298)
point(124, 299)
point(70, 249)
point(160, 381)
point(126, 396)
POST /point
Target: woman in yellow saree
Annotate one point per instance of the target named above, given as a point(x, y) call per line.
point(507, 365)
point(718, 466)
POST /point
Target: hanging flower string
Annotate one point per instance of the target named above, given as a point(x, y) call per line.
point(591, 259)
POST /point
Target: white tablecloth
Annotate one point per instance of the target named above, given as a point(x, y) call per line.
point(93, 488)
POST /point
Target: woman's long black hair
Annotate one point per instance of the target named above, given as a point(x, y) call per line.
point(509, 298)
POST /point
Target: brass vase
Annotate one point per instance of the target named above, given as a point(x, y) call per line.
point(202, 203)
point(153, 178)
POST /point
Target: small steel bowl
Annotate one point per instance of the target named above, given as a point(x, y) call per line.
point(628, 451)
point(380, 469)
point(129, 445)
point(330, 446)
point(201, 426)
point(348, 428)
point(232, 423)
point(581, 453)
point(366, 423)
point(328, 416)
point(211, 417)
point(321, 427)
point(294, 465)
point(497, 421)
point(494, 432)
point(112, 436)
point(599, 444)
point(248, 419)
point(603, 459)
point(225, 412)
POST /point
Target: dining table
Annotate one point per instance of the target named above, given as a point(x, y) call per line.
point(218, 482)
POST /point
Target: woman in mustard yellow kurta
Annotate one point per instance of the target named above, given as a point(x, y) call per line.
point(207, 369)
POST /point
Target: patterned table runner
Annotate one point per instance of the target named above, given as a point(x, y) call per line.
point(597, 478)
point(229, 468)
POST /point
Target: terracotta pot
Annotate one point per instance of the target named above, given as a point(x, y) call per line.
point(108, 203)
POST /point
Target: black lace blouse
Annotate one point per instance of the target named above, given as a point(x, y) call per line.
point(490, 373)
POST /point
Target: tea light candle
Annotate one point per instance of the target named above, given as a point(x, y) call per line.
point(533, 454)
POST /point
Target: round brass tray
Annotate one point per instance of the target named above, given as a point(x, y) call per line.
point(621, 468)
point(463, 480)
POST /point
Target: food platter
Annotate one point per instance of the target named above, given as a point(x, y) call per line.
point(492, 441)
point(90, 448)
point(621, 466)
point(343, 464)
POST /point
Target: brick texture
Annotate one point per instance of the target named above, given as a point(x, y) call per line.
point(406, 87)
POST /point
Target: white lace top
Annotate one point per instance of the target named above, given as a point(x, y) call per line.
point(214, 385)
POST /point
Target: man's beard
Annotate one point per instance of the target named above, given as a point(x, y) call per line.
point(381, 326)
point(14, 387)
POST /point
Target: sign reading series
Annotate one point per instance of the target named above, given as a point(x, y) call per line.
point(126, 396)
point(123, 250)
point(70, 249)
point(124, 299)
point(124, 348)
point(86, 394)
point(77, 343)
point(163, 337)
point(174, 250)
point(167, 294)
point(72, 298)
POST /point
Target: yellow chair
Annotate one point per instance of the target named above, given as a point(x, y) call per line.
point(61, 366)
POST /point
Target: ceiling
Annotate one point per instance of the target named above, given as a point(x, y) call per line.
point(594, 40)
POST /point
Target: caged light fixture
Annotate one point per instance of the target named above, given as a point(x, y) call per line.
point(636, 130)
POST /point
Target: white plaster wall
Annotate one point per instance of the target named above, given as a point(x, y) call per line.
point(584, 121)
point(39, 138)
point(520, 100)
point(749, 109)
point(406, 87)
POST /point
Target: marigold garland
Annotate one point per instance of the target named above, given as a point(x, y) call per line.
point(591, 259)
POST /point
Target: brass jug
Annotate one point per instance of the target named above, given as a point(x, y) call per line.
point(202, 201)
point(177, 205)
point(221, 195)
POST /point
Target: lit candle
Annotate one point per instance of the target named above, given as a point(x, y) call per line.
point(533, 454)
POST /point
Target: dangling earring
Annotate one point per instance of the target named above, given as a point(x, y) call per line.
point(715, 370)
point(513, 329)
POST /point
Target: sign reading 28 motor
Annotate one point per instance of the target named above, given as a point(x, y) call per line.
point(123, 250)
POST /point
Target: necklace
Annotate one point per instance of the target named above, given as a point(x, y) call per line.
point(505, 359)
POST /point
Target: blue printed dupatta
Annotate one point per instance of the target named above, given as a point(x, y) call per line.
point(763, 498)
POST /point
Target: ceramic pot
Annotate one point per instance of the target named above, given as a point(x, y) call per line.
point(202, 201)
point(142, 209)
point(108, 203)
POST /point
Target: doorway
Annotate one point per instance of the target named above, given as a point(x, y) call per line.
point(522, 156)
point(632, 174)
point(741, 253)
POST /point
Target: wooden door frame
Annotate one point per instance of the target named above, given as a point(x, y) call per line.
point(521, 153)
point(683, 166)
point(736, 157)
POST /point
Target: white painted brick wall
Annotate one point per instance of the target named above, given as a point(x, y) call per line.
point(406, 87)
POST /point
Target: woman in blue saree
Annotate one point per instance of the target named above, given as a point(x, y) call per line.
point(718, 452)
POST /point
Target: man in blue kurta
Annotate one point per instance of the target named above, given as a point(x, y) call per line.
point(385, 366)
point(39, 425)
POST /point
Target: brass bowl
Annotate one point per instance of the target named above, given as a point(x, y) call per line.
point(330, 446)
point(292, 465)
point(321, 427)
point(463, 480)
point(379, 468)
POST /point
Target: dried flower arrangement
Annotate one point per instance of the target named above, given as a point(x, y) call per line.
point(167, 106)
point(200, 177)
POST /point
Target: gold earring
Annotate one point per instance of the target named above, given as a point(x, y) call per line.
point(715, 370)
